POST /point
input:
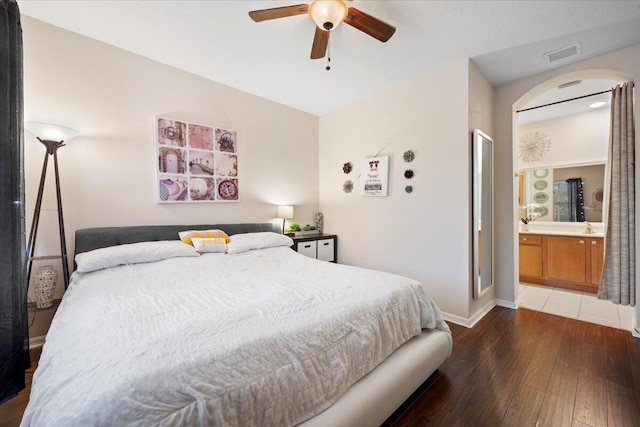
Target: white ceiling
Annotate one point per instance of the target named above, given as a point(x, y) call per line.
point(217, 40)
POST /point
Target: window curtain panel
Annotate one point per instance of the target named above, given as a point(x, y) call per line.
point(14, 330)
point(618, 283)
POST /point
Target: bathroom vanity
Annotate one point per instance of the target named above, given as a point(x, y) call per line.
point(571, 260)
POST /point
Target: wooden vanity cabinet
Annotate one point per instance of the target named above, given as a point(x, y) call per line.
point(530, 257)
point(565, 261)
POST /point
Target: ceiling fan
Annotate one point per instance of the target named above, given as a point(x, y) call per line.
point(327, 15)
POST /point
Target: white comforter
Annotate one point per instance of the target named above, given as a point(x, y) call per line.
point(264, 338)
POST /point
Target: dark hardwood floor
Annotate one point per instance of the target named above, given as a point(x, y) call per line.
point(528, 368)
point(514, 368)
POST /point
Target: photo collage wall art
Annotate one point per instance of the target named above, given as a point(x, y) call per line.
point(196, 163)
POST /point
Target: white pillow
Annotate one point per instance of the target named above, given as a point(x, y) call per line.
point(134, 253)
point(249, 241)
point(209, 244)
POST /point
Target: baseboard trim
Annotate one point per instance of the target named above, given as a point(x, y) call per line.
point(508, 304)
point(35, 342)
point(481, 313)
point(458, 320)
point(470, 322)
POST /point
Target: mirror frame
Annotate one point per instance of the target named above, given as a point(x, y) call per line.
point(483, 216)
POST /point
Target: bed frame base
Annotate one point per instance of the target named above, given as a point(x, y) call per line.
point(374, 398)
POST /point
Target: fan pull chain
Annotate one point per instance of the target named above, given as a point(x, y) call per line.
point(328, 55)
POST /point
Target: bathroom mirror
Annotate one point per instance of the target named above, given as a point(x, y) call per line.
point(564, 193)
point(482, 147)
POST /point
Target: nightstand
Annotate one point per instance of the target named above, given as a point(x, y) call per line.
point(318, 245)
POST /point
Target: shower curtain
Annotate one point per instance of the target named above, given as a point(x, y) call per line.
point(575, 188)
point(618, 283)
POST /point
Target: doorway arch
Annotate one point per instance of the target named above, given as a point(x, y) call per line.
point(526, 98)
point(538, 90)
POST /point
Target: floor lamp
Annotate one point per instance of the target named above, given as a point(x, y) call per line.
point(52, 137)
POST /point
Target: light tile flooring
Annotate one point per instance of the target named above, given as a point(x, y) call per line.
point(576, 305)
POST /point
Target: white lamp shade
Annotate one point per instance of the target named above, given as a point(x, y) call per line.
point(285, 212)
point(327, 14)
point(50, 132)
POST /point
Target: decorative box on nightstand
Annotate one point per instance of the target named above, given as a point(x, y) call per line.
point(320, 246)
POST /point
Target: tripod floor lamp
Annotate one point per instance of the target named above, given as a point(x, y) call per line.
point(52, 137)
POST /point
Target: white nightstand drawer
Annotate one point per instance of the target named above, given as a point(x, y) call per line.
point(307, 248)
point(325, 250)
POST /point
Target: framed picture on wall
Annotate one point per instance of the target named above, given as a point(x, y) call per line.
point(376, 176)
point(195, 162)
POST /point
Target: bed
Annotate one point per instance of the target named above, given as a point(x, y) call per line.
point(259, 336)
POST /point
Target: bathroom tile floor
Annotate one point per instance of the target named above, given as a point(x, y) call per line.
point(576, 305)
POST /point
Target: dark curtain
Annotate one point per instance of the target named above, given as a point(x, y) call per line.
point(14, 330)
point(575, 191)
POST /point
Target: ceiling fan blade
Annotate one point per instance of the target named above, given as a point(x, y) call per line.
point(278, 12)
point(368, 24)
point(320, 42)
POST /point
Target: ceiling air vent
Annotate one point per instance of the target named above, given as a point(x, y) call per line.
point(563, 53)
point(569, 84)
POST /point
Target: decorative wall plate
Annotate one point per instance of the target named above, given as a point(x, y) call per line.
point(598, 198)
point(540, 197)
point(541, 173)
point(533, 145)
point(543, 210)
point(347, 187)
point(408, 174)
point(540, 184)
point(347, 167)
point(598, 195)
point(408, 188)
point(408, 156)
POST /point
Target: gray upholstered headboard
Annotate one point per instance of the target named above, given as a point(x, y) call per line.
point(88, 239)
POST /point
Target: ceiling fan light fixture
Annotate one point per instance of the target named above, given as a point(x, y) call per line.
point(327, 14)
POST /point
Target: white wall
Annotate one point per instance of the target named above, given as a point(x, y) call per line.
point(108, 173)
point(578, 139)
point(621, 64)
point(480, 117)
point(425, 234)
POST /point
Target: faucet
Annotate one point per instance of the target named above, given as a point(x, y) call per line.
point(589, 229)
